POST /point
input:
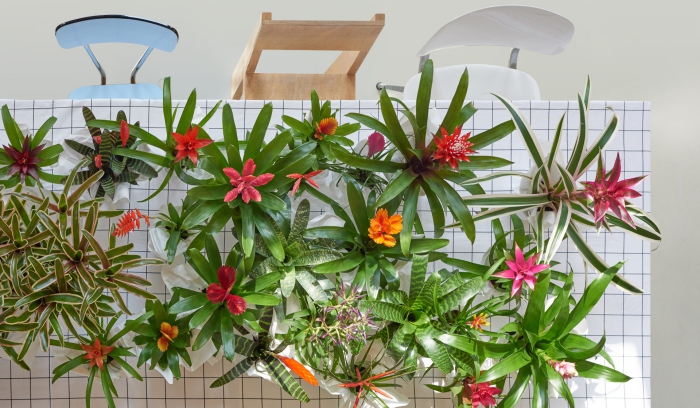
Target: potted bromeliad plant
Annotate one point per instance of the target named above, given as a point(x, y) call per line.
point(359, 300)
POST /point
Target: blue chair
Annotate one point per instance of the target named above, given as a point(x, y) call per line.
point(114, 28)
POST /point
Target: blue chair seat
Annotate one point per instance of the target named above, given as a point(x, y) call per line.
point(118, 91)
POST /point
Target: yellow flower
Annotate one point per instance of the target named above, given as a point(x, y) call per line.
point(479, 320)
point(169, 333)
point(382, 227)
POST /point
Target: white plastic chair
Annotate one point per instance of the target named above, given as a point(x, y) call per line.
point(516, 27)
point(116, 28)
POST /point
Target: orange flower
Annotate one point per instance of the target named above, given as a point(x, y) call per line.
point(96, 353)
point(98, 161)
point(169, 333)
point(382, 227)
point(129, 222)
point(478, 321)
point(298, 369)
point(326, 127)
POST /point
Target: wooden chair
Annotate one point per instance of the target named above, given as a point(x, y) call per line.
point(353, 38)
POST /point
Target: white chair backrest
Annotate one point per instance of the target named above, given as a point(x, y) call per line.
point(522, 27)
point(483, 80)
point(115, 28)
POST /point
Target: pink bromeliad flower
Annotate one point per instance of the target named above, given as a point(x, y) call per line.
point(566, 369)
point(522, 271)
point(245, 184)
point(482, 394)
point(607, 193)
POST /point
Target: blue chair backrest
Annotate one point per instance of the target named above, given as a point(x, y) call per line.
point(115, 28)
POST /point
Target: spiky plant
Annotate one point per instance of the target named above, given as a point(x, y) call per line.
point(115, 168)
point(54, 267)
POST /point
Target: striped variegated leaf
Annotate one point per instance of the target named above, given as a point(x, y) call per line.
point(462, 294)
point(310, 284)
point(80, 148)
point(494, 176)
point(285, 380)
point(561, 225)
point(506, 200)
point(266, 319)
point(531, 143)
point(315, 257)
point(237, 371)
point(126, 177)
point(577, 153)
point(436, 351)
point(88, 115)
point(245, 346)
point(139, 166)
point(396, 297)
point(301, 221)
point(390, 311)
point(288, 283)
point(401, 341)
point(425, 301)
point(418, 270)
point(555, 143)
point(603, 141)
point(118, 165)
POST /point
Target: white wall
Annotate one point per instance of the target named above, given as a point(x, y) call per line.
point(632, 49)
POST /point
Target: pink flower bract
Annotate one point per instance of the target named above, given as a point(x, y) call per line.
point(522, 271)
point(566, 369)
point(221, 292)
point(245, 184)
point(610, 194)
point(482, 394)
point(375, 143)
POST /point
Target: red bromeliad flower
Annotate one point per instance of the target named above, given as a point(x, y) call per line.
point(301, 177)
point(607, 193)
point(482, 394)
point(25, 161)
point(96, 353)
point(326, 127)
point(98, 161)
point(360, 385)
point(245, 184)
point(453, 148)
point(124, 133)
point(221, 292)
point(97, 139)
point(188, 144)
point(130, 221)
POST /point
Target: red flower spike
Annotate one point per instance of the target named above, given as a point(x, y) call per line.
point(97, 139)
point(25, 161)
point(98, 161)
point(245, 184)
point(367, 382)
point(453, 148)
point(607, 193)
point(326, 127)
point(188, 145)
point(301, 177)
point(130, 221)
point(124, 132)
point(96, 353)
point(221, 292)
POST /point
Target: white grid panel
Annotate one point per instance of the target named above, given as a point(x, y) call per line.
point(625, 319)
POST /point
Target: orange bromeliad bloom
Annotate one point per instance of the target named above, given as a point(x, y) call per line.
point(129, 222)
point(169, 333)
point(382, 227)
point(298, 369)
point(96, 353)
point(326, 127)
point(479, 321)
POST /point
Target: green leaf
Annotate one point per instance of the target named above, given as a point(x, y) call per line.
point(358, 206)
point(187, 113)
point(436, 351)
point(506, 200)
point(605, 138)
point(248, 229)
point(396, 134)
point(586, 369)
point(268, 233)
point(262, 299)
point(410, 211)
point(237, 371)
point(203, 314)
point(455, 109)
point(345, 263)
point(512, 363)
point(591, 296)
point(517, 389)
point(425, 87)
point(471, 346)
point(210, 192)
point(228, 338)
point(396, 186)
point(484, 163)
point(379, 166)
point(212, 325)
point(389, 311)
point(257, 133)
point(201, 213)
point(534, 314)
point(202, 266)
point(285, 380)
point(580, 144)
point(559, 385)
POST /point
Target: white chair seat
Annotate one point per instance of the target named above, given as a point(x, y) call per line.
point(119, 91)
point(483, 80)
